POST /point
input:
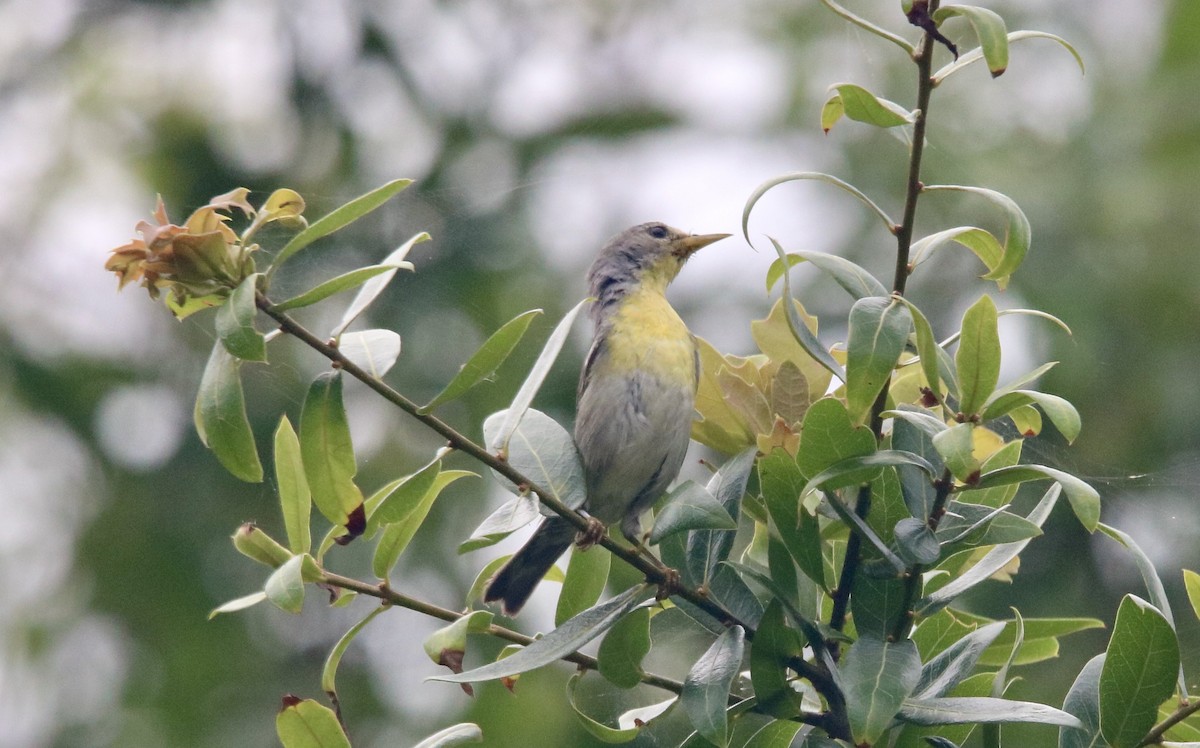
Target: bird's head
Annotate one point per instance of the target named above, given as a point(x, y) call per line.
point(649, 254)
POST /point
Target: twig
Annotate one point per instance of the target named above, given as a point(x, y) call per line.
point(1185, 710)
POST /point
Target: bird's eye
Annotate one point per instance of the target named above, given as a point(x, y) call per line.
point(658, 231)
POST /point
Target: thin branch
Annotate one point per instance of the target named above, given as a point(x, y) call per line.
point(912, 582)
point(1185, 710)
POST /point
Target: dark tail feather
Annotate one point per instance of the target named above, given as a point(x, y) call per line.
point(514, 583)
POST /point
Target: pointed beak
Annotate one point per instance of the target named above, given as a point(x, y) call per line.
point(689, 244)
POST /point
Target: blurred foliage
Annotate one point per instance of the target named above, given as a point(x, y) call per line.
point(117, 510)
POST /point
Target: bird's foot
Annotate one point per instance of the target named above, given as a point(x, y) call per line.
point(668, 584)
point(591, 535)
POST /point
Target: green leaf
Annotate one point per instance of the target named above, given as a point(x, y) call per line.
point(1139, 672)
point(329, 672)
point(221, 416)
point(804, 336)
point(484, 362)
point(411, 514)
point(294, 497)
point(927, 347)
point(853, 278)
point(307, 724)
point(373, 351)
point(705, 692)
point(499, 440)
point(993, 561)
point(1017, 238)
point(1191, 582)
point(336, 285)
point(1083, 701)
point(543, 451)
point(778, 734)
point(407, 494)
point(977, 54)
point(460, 734)
point(956, 447)
point(587, 573)
point(877, 677)
point(831, 111)
point(707, 548)
point(908, 435)
point(781, 483)
point(511, 515)
point(373, 287)
point(240, 603)
point(916, 542)
point(866, 25)
point(235, 323)
point(623, 648)
point(328, 454)
point(766, 186)
point(834, 475)
point(828, 437)
point(562, 641)
point(780, 267)
point(339, 218)
point(957, 710)
point(978, 357)
point(690, 507)
point(285, 586)
point(989, 29)
point(1085, 502)
point(1062, 414)
point(879, 328)
point(774, 646)
point(985, 246)
point(597, 729)
point(955, 663)
point(863, 106)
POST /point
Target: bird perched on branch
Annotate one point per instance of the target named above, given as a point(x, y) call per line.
point(637, 393)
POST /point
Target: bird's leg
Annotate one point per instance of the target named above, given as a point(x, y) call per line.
point(632, 530)
point(591, 535)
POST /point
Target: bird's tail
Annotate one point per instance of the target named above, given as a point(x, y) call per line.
point(514, 583)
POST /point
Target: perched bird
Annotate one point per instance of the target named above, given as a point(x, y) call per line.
point(636, 396)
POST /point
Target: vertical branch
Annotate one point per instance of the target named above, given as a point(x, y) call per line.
point(912, 582)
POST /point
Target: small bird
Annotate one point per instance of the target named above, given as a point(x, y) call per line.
point(636, 396)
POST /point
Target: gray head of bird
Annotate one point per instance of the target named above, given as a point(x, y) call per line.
point(646, 256)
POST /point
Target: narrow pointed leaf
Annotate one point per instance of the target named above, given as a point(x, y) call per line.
point(986, 247)
point(221, 416)
point(804, 336)
point(295, 499)
point(240, 603)
point(235, 323)
point(285, 586)
point(510, 516)
point(957, 710)
point(373, 351)
point(375, 286)
point(955, 663)
point(989, 29)
point(853, 278)
point(499, 440)
point(339, 218)
point(411, 514)
point(336, 285)
point(1061, 413)
point(563, 640)
point(992, 562)
point(766, 186)
point(484, 362)
point(978, 356)
point(879, 329)
point(909, 435)
point(705, 694)
point(328, 454)
point(866, 25)
point(1085, 501)
point(404, 498)
point(1139, 672)
point(1191, 583)
point(329, 672)
point(975, 55)
point(927, 347)
point(707, 548)
point(460, 734)
point(307, 724)
point(956, 447)
point(1017, 238)
point(878, 676)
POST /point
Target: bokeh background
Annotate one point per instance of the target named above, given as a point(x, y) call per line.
point(535, 130)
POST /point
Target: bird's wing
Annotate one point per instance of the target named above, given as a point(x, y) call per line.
point(597, 350)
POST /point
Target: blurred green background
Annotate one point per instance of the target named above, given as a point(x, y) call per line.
point(535, 130)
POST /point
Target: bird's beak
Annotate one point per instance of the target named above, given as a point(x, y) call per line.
point(687, 245)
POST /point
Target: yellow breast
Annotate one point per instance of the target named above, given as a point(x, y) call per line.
point(647, 334)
